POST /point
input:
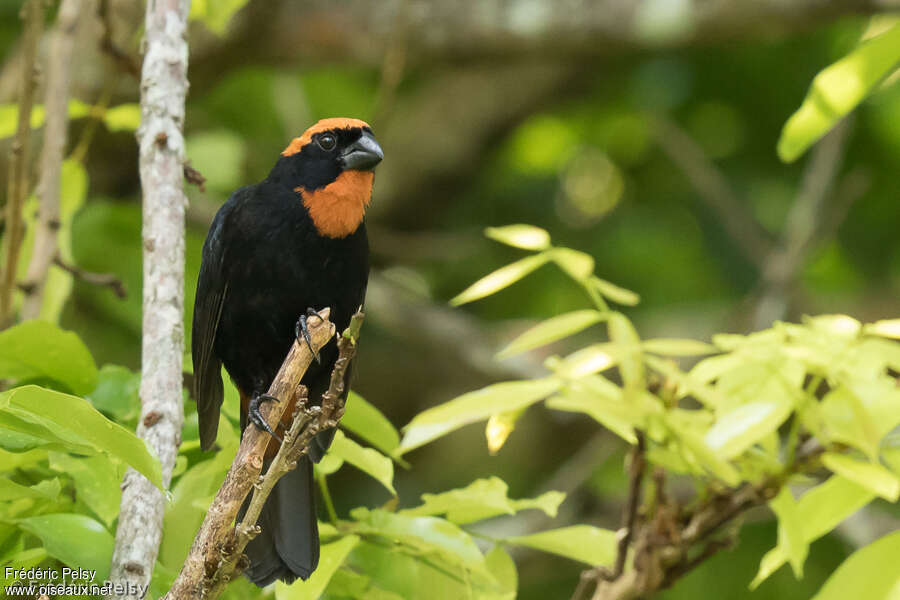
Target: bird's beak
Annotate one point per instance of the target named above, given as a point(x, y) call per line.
point(363, 154)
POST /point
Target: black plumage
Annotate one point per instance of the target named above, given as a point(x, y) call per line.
point(294, 241)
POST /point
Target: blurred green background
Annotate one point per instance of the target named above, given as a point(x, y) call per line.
point(599, 139)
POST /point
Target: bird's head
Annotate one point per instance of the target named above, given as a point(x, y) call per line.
point(331, 167)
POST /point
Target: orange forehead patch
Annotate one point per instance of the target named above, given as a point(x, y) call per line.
point(324, 125)
point(338, 208)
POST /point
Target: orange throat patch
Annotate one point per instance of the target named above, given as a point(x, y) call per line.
point(339, 207)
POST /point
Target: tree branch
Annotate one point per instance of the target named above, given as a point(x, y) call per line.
point(102, 279)
point(714, 190)
point(33, 17)
point(217, 546)
point(56, 105)
point(804, 221)
point(163, 90)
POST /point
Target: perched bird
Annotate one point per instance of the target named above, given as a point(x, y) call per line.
point(276, 251)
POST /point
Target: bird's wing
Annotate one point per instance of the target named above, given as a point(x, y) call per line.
point(212, 288)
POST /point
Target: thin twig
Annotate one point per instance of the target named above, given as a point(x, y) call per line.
point(713, 189)
point(308, 421)
point(101, 279)
point(804, 221)
point(125, 61)
point(213, 556)
point(33, 16)
point(56, 126)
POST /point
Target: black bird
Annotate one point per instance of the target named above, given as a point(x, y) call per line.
point(295, 241)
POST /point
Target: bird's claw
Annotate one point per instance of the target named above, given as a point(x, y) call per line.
point(256, 418)
point(302, 331)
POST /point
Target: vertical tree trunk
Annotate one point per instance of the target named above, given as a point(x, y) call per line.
point(163, 89)
point(56, 105)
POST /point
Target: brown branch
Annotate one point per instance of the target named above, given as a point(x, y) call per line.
point(122, 58)
point(215, 543)
point(194, 177)
point(56, 97)
point(308, 421)
point(101, 279)
point(672, 542)
point(33, 17)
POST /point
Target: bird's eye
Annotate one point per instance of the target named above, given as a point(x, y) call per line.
point(327, 142)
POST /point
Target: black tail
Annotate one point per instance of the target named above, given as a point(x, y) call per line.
point(288, 545)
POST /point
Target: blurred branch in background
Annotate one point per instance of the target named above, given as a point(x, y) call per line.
point(164, 88)
point(714, 190)
point(18, 184)
point(804, 222)
point(56, 104)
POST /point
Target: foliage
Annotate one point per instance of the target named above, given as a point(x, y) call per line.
point(738, 417)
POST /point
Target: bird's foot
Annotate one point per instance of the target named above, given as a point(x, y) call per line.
point(256, 418)
point(301, 330)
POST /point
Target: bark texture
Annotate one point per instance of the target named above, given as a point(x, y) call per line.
point(56, 104)
point(216, 545)
point(164, 87)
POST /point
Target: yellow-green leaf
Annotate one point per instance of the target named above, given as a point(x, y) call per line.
point(677, 347)
point(790, 529)
point(869, 573)
point(871, 476)
point(499, 279)
point(527, 237)
point(837, 90)
point(590, 545)
point(615, 293)
point(889, 328)
point(473, 407)
point(551, 330)
point(367, 460)
point(624, 336)
point(746, 424)
point(579, 265)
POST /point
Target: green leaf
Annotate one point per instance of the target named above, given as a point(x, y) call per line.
point(45, 490)
point(503, 568)
point(75, 540)
point(822, 508)
point(837, 90)
point(71, 417)
point(424, 533)
point(791, 535)
point(367, 460)
point(613, 292)
point(215, 14)
point(871, 476)
point(869, 573)
point(499, 427)
point(366, 421)
point(691, 440)
point(499, 279)
point(590, 545)
point(578, 265)
point(677, 347)
point(551, 330)
point(37, 349)
point(624, 336)
point(611, 411)
point(527, 237)
point(474, 406)
point(97, 482)
point(124, 117)
point(587, 361)
point(482, 499)
point(888, 328)
point(116, 393)
point(742, 427)
point(330, 559)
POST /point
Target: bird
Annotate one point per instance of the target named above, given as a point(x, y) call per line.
point(276, 252)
